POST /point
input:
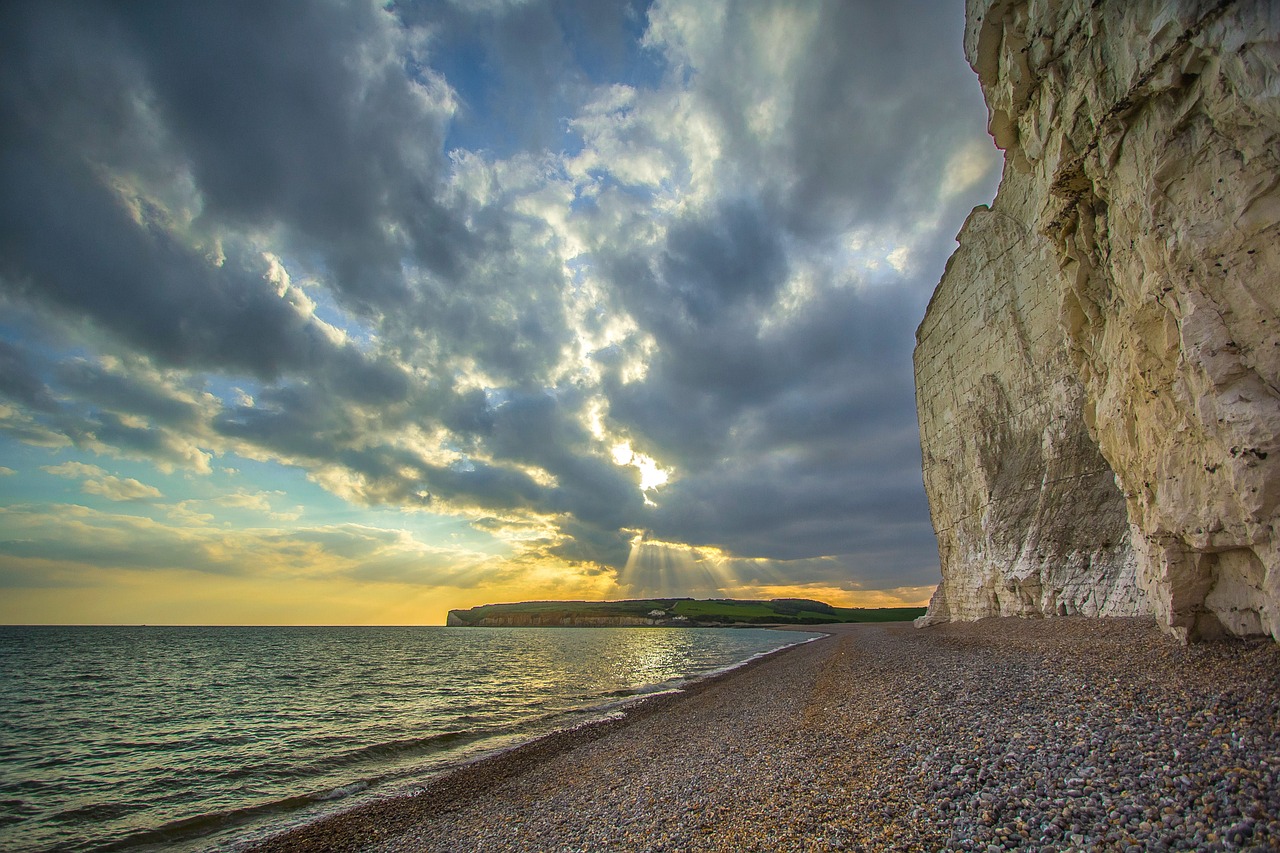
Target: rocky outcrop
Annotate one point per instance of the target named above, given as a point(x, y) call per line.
point(1114, 318)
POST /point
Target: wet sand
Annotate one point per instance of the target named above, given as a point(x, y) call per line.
point(1063, 734)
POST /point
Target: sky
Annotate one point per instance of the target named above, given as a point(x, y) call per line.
point(352, 313)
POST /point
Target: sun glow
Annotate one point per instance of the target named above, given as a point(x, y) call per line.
point(658, 568)
point(651, 475)
point(662, 569)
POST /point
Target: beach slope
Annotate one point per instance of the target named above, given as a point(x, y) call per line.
point(1000, 734)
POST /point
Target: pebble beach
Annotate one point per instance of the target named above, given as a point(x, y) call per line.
point(1005, 734)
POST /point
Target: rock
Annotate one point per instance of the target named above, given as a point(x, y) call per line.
point(1098, 373)
point(1028, 518)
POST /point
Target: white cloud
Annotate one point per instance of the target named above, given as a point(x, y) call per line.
point(98, 482)
point(73, 470)
point(899, 258)
point(256, 501)
point(121, 489)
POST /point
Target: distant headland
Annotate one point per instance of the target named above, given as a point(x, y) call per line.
point(671, 613)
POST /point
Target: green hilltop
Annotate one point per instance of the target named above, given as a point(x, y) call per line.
point(675, 612)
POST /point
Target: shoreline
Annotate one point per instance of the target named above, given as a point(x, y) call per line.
point(1060, 734)
point(370, 823)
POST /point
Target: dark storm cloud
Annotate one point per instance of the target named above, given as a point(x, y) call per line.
point(792, 440)
point(702, 297)
point(293, 118)
point(590, 543)
point(876, 149)
point(870, 114)
point(296, 423)
point(779, 506)
point(266, 105)
point(526, 430)
point(836, 367)
point(20, 381)
point(720, 266)
point(65, 241)
point(290, 112)
point(126, 393)
point(280, 124)
point(539, 430)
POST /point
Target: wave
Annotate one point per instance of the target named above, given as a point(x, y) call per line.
point(401, 747)
point(201, 826)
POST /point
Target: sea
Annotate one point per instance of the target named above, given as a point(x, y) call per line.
point(192, 739)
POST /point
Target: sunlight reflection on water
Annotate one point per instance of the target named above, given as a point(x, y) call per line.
point(111, 733)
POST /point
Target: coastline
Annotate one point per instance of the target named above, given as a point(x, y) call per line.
point(1005, 733)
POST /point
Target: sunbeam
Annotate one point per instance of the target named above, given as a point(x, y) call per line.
point(665, 569)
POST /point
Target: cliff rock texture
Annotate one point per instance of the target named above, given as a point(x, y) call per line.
point(1114, 321)
point(1027, 514)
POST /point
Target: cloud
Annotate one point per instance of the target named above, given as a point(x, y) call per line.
point(99, 482)
point(36, 540)
point(447, 257)
point(74, 470)
point(257, 502)
point(20, 425)
point(121, 489)
point(20, 382)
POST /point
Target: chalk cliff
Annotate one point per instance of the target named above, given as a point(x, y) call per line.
point(1098, 374)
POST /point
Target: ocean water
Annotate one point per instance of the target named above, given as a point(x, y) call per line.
point(178, 738)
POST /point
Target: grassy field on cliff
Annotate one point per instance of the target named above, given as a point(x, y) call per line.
point(778, 611)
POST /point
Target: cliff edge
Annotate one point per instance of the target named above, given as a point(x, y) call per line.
point(1098, 373)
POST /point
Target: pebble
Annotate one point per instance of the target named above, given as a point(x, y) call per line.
point(1058, 734)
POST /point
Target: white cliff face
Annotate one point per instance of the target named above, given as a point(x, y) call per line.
point(1142, 148)
point(1027, 514)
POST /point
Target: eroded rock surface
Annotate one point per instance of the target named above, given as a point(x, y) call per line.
point(1116, 311)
